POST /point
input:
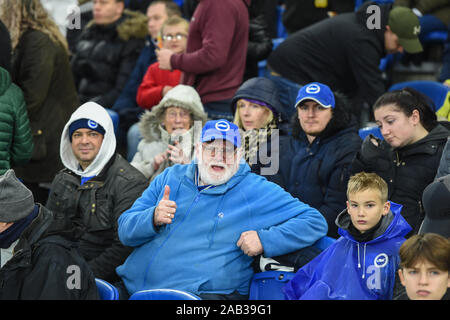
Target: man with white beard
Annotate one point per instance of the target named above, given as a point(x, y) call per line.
point(198, 226)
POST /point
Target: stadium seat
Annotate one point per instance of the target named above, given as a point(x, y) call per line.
point(324, 242)
point(106, 290)
point(358, 3)
point(163, 294)
point(364, 132)
point(281, 30)
point(436, 36)
point(436, 91)
point(115, 119)
point(268, 285)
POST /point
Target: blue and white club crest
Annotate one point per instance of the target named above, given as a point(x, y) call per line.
point(92, 124)
point(381, 260)
point(313, 89)
point(222, 126)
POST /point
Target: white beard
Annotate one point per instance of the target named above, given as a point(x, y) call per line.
point(207, 176)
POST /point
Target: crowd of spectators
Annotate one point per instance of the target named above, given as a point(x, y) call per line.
point(147, 149)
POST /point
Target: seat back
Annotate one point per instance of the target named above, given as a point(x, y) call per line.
point(268, 285)
point(436, 91)
point(324, 242)
point(364, 132)
point(106, 290)
point(115, 119)
point(163, 294)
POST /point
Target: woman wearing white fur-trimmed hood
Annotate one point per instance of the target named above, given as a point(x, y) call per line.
point(169, 131)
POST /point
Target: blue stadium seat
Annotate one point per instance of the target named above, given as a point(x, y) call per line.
point(106, 290)
point(364, 132)
point(268, 285)
point(436, 36)
point(324, 242)
point(179, 2)
point(115, 119)
point(163, 294)
point(281, 30)
point(358, 3)
point(436, 91)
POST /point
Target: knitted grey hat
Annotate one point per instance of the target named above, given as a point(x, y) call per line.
point(16, 200)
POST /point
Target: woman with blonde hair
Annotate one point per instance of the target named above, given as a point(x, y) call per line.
point(40, 67)
point(257, 111)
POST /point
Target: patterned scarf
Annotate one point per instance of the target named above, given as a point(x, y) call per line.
point(252, 139)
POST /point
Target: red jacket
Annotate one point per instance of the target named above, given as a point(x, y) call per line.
point(214, 61)
point(155, 79)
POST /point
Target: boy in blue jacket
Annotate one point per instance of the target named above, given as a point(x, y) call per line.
point(362, 263)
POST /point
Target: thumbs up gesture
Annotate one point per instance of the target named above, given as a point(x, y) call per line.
point(165, 211)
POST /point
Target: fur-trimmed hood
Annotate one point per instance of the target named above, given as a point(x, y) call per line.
point(180, 96)
point(132, 24)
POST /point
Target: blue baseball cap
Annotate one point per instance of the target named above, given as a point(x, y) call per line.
point(318, 92)
point(221, 129)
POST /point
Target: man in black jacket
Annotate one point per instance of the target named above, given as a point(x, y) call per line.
point(38, 258)
point(107, 51)
point(344, 53)
point(95, 187)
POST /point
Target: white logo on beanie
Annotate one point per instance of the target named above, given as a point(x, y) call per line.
point(313, 88)
point(222, 126)
point(92, 124)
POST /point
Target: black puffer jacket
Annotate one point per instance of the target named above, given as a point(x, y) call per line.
point(94, 208)
point(41, 265)
point(406, 170)
point(105, 57)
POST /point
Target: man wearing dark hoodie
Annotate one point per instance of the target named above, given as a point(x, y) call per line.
point(214, 61)
point(38, 259)
point(344, 52)
point(317, 158)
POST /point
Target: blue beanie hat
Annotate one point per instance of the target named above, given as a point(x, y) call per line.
point(85, 123)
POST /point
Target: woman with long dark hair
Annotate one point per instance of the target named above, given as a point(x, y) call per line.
point(408, 157)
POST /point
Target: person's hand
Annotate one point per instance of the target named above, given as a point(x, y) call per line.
point(165, 211)
point(250, 244)
point(158, 159)
point(176, 154)
point(163, 56)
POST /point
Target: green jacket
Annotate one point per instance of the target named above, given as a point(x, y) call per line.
point(16, 143)
point(438, 8)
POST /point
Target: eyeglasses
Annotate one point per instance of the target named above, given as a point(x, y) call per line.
point(170, 37)
point(228, 152)
point(181, 114)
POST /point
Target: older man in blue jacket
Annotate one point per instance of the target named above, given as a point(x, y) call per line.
point(198, 226)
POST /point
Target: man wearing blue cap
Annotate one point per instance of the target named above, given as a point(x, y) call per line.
point(322, 145)
point(94, 188)
point(198, 226)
